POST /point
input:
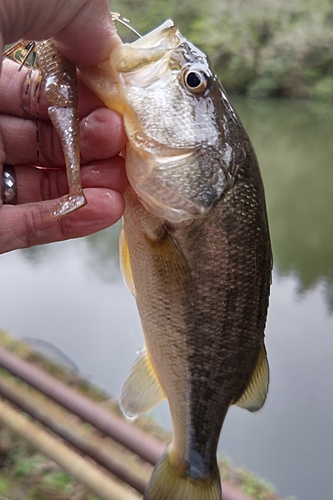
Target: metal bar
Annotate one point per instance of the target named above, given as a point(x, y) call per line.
point(147, 447)
point(59, 421)
point(144, 445)
point(78, 467)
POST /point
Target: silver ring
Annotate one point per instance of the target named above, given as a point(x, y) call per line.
point(9, 187)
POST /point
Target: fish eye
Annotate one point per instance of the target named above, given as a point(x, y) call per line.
point(196, 81)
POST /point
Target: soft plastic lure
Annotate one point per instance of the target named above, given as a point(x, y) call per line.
point(59, 76)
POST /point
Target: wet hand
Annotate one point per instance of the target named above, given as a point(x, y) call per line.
point(102, 134)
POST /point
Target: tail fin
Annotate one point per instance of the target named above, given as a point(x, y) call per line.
point(169, 483)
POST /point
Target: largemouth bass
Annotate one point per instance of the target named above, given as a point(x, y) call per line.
point(195, 251)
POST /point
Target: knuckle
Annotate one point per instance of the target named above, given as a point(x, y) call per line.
point(66, 227)
point(50, 152)
point(30, 232)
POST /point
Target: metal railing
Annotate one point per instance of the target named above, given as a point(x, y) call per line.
point(49, 401)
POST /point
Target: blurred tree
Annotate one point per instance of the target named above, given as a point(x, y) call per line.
point(258, 47)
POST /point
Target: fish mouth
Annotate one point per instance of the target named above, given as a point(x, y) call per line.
point(155, 47)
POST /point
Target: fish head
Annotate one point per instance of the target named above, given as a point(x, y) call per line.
point(177, 157)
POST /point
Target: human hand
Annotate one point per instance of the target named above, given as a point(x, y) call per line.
point(84, 32)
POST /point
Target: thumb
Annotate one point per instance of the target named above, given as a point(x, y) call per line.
point(83, 29)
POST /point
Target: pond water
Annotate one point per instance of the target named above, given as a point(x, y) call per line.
point(71, 295)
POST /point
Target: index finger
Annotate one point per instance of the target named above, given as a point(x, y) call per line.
point(22, 96)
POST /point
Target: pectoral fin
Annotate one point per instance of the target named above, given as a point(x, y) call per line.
point(141, 390)
point(125, 262)
point(171, 266)
point(255, 394)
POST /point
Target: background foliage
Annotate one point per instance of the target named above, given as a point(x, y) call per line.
point(258, 47)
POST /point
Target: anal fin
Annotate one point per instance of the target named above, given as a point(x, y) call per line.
point(255, 394)
point(141, 390)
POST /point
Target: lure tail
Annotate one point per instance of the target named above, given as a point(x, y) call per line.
point(169, 483)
